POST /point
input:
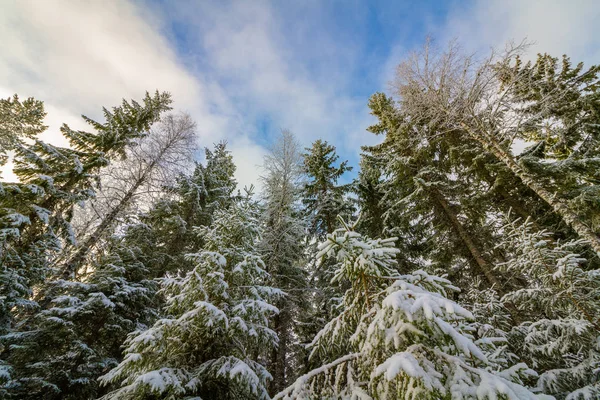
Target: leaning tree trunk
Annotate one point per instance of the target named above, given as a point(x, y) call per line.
point(562, 209)
point(485, 267)
point(70, 267)
point(482, 263)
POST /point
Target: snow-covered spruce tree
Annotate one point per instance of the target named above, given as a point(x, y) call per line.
point(559, 104)
point(323, 197)
point(368, 187)
point(399, 336)
point(214, 339)
point(562, 304)
point(209, 187)
point(36, 211)
point(427, 190)
point(19, 120)
point(282, 250)
point(218, 178)
point(166, 232)
point(63, 350)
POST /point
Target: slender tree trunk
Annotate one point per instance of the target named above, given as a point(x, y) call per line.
point(70, 267)
point(278, 366)
point(484, 266)
point(562, 209)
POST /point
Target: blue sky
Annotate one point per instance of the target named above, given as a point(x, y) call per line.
point(245, 69)
point(340, 47)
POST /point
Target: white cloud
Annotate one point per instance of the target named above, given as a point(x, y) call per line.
point(248, 158)
point(244, 69)
point(246, 46)
point(552, 26)
point(556, 26)
point(80, 56)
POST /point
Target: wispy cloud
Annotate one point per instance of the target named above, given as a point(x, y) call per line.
point(273, 78)
point(79, 56)
point(556, 27)
point(246, 69)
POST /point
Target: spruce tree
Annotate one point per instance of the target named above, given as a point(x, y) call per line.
point(498, 100)
point(370, 193)
point(399, 336)
point(561, 304)
point(167, 231)
point(148, 163)
point(425, 196)
point(52, 180)
point(323, 198)
point(215, 337)
point(18, 121)
point(64, 348)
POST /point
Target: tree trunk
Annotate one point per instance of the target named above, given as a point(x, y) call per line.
point(70, 267)
point(484, 266)
point(562, 209)
point(513, 203)
point(278, 360)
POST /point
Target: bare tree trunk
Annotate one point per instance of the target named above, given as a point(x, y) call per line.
point(483, 264)
point(70, 267)
point(160, 151)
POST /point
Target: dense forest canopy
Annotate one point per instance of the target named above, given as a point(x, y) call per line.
point(452, 267)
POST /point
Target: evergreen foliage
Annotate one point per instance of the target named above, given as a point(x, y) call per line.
point(129, 272)
point(63, 349)
point(323, 197)
point(399, 336)
point(215, 335)
point(36, 211)
point(19, 120)
point(561, 306)
point(283, 251)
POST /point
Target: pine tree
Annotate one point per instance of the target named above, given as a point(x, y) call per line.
point(52, 181)
point(218, 178)
point(19, 120)
point(425, 198)
point(323, 199)
point(167, 231)
point(215, 336)
point(148, 163)
point(399, 336)
point(370, 193)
